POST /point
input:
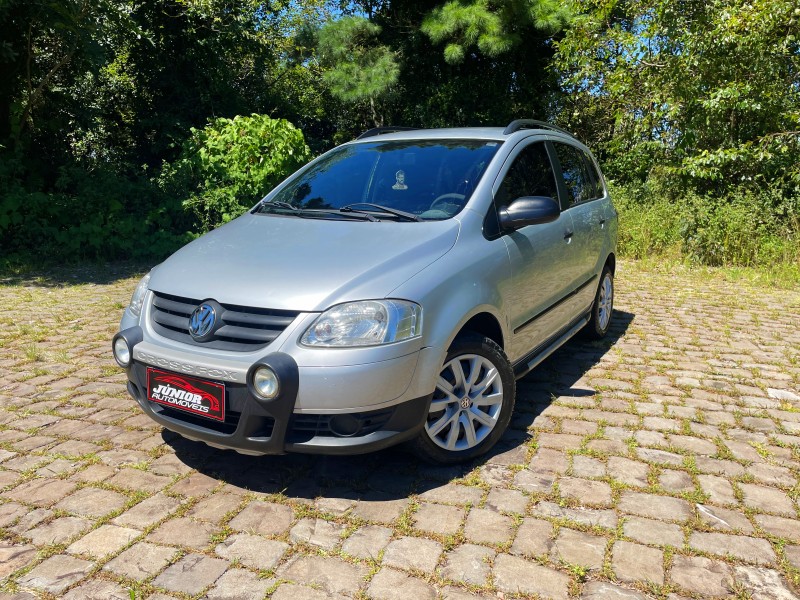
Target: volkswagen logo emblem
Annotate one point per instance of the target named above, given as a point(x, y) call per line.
point(202, 321)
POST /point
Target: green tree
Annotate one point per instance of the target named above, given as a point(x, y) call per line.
point(357, 68)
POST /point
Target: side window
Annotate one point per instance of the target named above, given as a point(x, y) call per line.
point(581, 186)
point(599, 190)
point(530, 175)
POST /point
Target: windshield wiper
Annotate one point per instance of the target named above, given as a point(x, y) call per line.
point(278, 204)
point(391, 211)
point(311, 213)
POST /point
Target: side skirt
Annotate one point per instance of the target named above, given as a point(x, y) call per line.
point(531, 360)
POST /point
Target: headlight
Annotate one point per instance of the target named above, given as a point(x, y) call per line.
point(368, 323)
point(138, 296)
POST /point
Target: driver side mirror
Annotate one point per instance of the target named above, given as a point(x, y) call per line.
point(528, 210)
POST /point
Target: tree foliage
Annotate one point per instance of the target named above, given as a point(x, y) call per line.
point(225, 167)
point(707, 92)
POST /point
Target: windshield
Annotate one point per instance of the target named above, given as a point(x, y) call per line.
point(430, 179)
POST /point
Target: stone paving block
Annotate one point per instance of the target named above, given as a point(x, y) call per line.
point(534, 538)
point(196, 484)
point(106, 539)
point(700, 575)
point(515, 575)
point(693, 444)
point(14, 557)
point(468, 564)
point(292, 591)
point(240, 584)
point(379, 509)
point(410, 553)
point(634, 562)
point(367, 542)
point(718, 489)
point(191, 574)
point(31, 519)
point(724, 519)
point(333, 575)
point(10, 512)
point(603, 590)
point(579, 548)
point(585, 466)
point(773, 475)
point(213, 508)
point(92, 502)
point(660, 457)
point(585, 491)
point(252, 550)
point(183, 531)
point(767, 499)
point(649, 531)
point(675, 481)
point(56, 574)
point(630, 472)
point(41, 492)
point(486, 526)
point(93, 474)
point(586, 516)
point(266, 518)
point(453, 493)
point(148, 512)
point(655, 507)
point(753, 550)
point(317, 532)
point(779, 526)
point(549, 460)
point(57, 531)
point(389, 584)
point(140, 561)
point(135, 479)
point(533, 482)
point(763, 584)
point(98, 589)
point(439, 518)
point(507, 501)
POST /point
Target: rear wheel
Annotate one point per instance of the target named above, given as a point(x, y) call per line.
point(603, 306)
point(472, 404)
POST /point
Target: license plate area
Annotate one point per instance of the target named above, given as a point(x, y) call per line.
point(187, 394)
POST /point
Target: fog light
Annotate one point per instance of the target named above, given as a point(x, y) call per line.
point(122, 354)
point(345, 425)
point(265, 383)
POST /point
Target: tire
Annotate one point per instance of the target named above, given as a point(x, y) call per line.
point(603, 307)
point(465, 419)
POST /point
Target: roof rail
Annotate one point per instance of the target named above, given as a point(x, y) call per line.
point(382, 130)
point(532, 124)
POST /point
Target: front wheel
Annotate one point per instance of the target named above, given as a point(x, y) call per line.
point(603, 306)
point(472, 404)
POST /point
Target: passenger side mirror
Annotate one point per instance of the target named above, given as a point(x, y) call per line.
point(528, 210)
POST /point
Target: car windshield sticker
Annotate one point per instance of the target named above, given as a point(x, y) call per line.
point(400, 176)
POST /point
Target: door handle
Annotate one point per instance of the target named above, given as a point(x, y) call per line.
point(568, 234)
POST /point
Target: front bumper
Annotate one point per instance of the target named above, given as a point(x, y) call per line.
point(257, 427)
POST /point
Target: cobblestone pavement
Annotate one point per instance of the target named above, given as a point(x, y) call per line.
point(662, 463)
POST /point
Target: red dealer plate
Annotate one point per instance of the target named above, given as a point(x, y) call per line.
point(187, 394)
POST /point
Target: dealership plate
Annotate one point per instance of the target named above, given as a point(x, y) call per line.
point(187, 394)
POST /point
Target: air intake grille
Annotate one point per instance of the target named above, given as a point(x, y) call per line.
point(243, 328)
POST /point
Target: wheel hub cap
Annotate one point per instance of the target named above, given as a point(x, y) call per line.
point(466, 404)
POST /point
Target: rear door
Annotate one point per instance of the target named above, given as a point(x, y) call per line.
point(584, 199)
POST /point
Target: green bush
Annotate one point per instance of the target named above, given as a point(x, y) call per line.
point(746, 227)
point(230, 164)
point(85, 215)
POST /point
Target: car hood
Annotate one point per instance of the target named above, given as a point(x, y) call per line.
point(300, 264)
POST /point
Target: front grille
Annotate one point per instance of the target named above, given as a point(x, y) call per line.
point(243, 328)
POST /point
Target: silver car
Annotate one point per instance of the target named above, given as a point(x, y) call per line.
point(392, 290)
